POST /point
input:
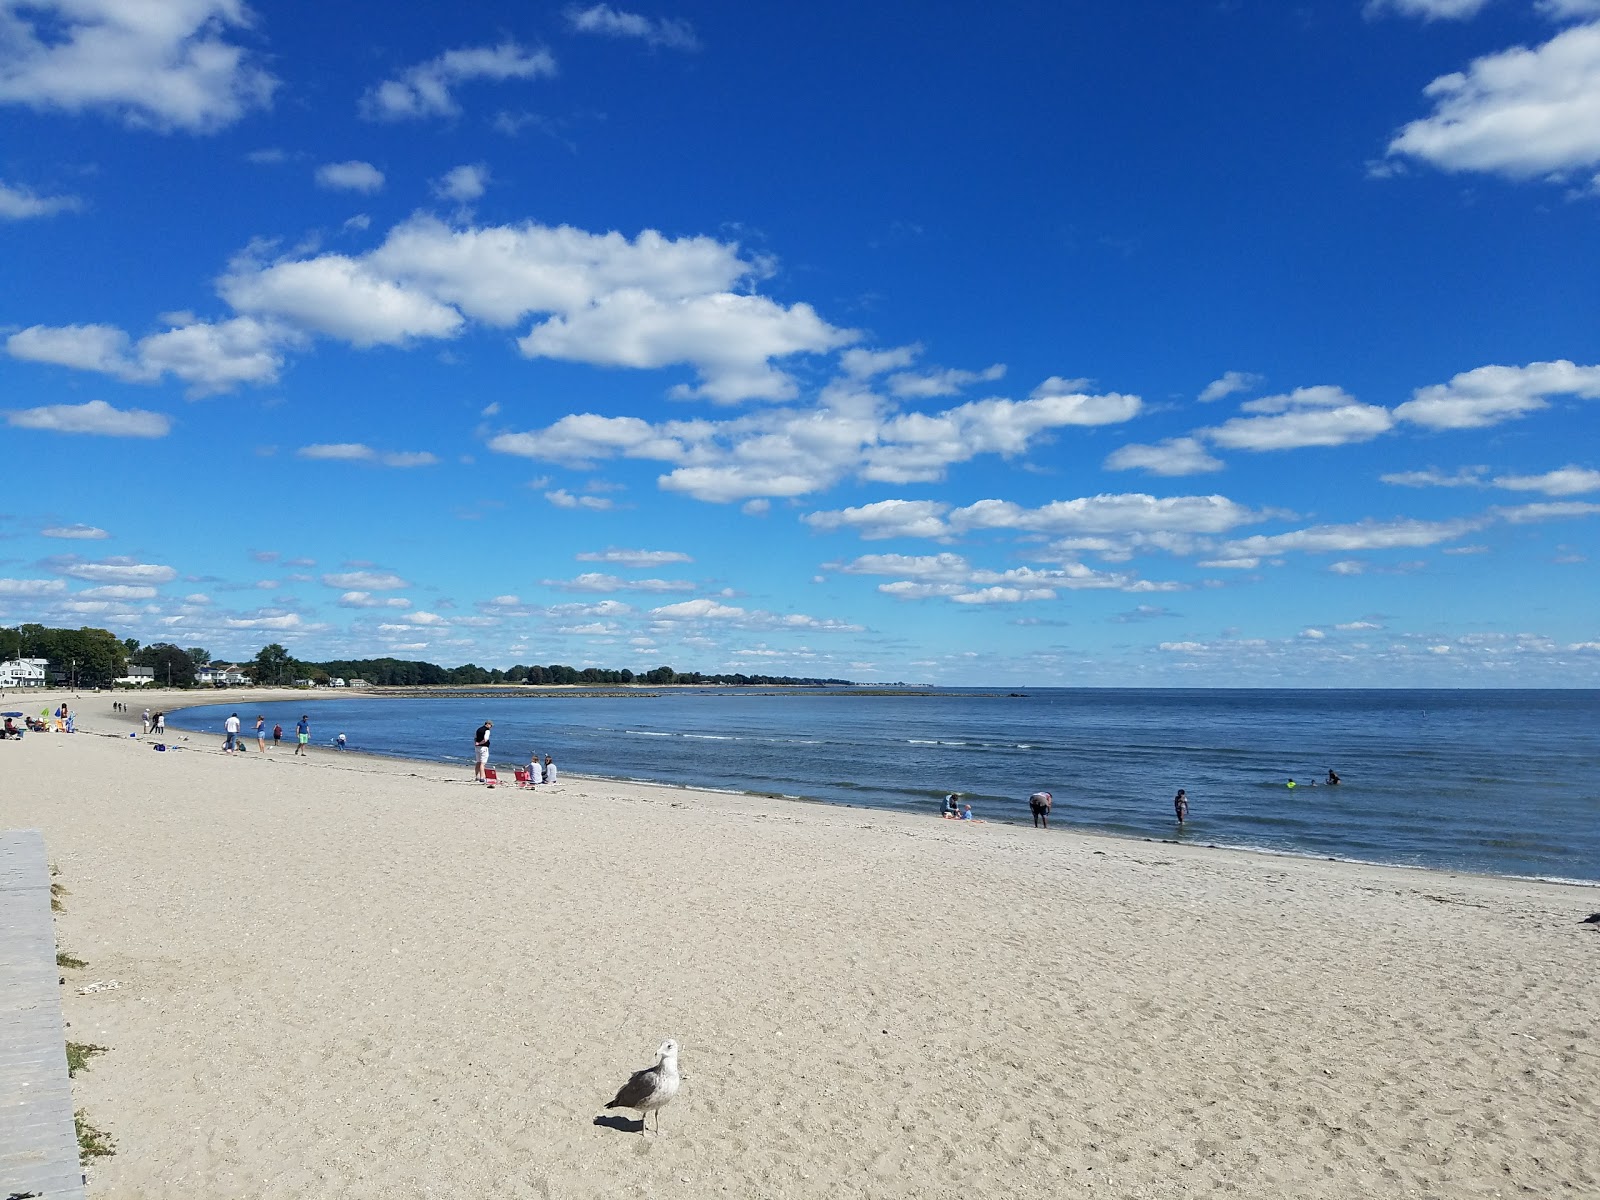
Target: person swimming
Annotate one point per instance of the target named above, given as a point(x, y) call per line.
point(1333, 777)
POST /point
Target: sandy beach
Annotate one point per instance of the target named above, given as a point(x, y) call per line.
point(348, 977)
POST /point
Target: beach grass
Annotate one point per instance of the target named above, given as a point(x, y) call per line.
point(69, 960)
point(92, 1142)
point(79, 1054)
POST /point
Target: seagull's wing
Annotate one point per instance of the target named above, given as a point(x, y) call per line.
point(641, 1086)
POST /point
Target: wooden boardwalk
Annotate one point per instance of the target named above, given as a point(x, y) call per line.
point(38, 1146)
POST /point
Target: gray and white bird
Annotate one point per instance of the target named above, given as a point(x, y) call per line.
point(648, 1090)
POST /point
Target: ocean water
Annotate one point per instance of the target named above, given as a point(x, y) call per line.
point(1495, 782)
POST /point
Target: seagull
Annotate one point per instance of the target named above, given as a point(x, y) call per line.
point(649, 1089)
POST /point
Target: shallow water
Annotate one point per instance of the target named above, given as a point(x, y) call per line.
point(1500, 782)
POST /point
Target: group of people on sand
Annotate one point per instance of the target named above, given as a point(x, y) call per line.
point(233, 742)
point(1040, 803)
point(537, 772)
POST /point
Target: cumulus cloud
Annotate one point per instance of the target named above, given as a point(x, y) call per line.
point(31, 587)
point(96, 417)
point(425, 90)
point(464, 184)
point(164, 66)
point(209, 357)
point(1432, 477)
point(668, 33)
point(951, 577)
point(352, 176)
point(864, 364)
point(1309, 416)
point(339, 296)
point(598, 582)
point(1174, 456)
point(1564, 10)
point(562, 498)
point(120, 591)
point(359, 452)
point(18, 203)
point(712, 611)
point(1520, 113)
point(1489, 395)
point(1230, 383)
point(786, 452)
point(886, 519)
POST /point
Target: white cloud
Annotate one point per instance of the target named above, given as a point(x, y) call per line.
point(163, 65)
point(1363, 535)
point(31, 587)
point(1174, 456)
point(1230, 383)
point(1563, 10)
point(464, 184)
point(358, 452)
point(84, 532)
point(729, 338)
point(96, 417)
point(1523, 514)
point(1489, 395)
point(673, 34)
point(276, 621)
point(112, 570)
point(1519, 113)
point(728, 614)
point(864, 364)
point(598, 582)
point(18, 203)
point(425, 90)
point(368, 600)
point(949, 382)
point(562, 498)
point(209, 357)
point(1430, 10)
point(120, 591)
point(1134, 512)
point(366, 581)
point(634, 558)
point(1432, 477)
point(886, 519)
point(339, 296)
point(1565, 481)
point(352, 176)
point(1312, 416)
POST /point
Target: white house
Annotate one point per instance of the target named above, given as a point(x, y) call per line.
point(23, 672)
point(137, 677)
point(221, 675)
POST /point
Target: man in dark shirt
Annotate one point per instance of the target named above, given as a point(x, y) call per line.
point(480, 750)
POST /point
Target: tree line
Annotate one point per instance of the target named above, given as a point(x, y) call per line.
point(95, 657)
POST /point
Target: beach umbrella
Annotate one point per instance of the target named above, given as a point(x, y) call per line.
point(11, 714)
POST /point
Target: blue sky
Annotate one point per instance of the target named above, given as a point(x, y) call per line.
point(1210, 344)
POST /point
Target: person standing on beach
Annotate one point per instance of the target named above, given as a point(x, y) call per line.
point(146, 719)
point(277, 736)
point(160, 725)
point(480, 751)
point(261, 734)
point(1039, 804)
point(302, 735)
point(1180, 805)
point(231, 728)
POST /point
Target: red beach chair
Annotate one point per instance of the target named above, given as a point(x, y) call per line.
point(521, 774)
point(490, 777)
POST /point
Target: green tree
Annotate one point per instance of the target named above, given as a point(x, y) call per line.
point(173, 667)
point(198, 655)
point(275, 667)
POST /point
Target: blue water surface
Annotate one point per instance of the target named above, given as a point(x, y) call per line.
point(1498, 782)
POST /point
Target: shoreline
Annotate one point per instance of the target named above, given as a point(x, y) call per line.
point(358, 978)
point(288, 694)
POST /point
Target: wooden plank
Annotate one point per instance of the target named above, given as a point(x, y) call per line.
point(38, 1144)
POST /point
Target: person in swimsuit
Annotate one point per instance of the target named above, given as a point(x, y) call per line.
point(1333, 777)
point(1039, 805)
point(1180, 805)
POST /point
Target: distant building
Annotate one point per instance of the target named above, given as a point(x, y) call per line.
point(305, 683)
point(24, 672)
point(137, 677)
point(221, 675)
point(357, 683)
point(336, 682)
